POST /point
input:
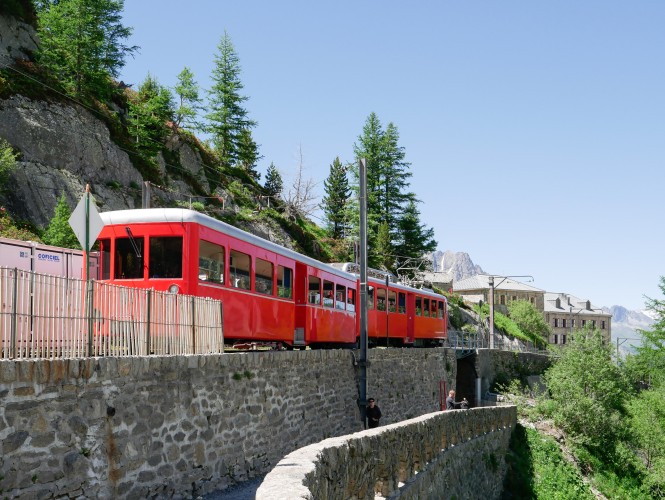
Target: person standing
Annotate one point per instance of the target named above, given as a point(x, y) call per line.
point(450, 400)
point(373, 414)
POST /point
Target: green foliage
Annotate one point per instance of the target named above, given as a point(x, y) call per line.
point(530, 321)
point(335, 200)
point(82, 44)
point(647, 424)
point(274, 183)
point(227, 117)
point(248, 153)
point(650, 359)
point(59, 233)
point(187, 93)
point(456, 317)
point(7, 162)
point(589, 391)
point(537, 469)
point(149, 111)
point(14, 230)
point(21, 9)
point(388, 199)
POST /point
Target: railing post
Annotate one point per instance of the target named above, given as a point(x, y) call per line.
point(13, 326)
point(193, 326)
point(90, 309)
point(149, 322)
point(221, 310)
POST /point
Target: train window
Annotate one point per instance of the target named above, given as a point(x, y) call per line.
point(328, 293)
point(419, 306)
point(441, 310)
point(314, 290)
point(426, 308)
point(392, 301)
point(284, 282)
point(105, 254)
point(239, 269)
point(264, 272)
point(129, 263)
point(165, 257)
point(211, 262)
point(351, 300)
point(401, 305)
point(340, 292)
point(434, 314)
point(381, 299)
point(370, 297)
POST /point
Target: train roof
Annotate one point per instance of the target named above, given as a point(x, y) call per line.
point(183, 215)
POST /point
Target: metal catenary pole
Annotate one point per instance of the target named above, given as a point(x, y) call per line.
point(363, 363)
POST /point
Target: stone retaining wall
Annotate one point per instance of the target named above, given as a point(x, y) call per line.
point(187, 425)
point(452, 454)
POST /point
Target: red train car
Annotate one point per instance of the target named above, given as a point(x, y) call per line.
point(270, 293)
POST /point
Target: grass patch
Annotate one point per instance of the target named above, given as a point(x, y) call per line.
point(537, 469)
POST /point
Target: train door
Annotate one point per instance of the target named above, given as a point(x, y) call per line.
point(410, 318)
point(300, 296)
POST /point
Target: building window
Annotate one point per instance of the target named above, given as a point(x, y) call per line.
point(602, 325)
point(563, 323)
point(572, 323)
point(556, 324)
point(556, 338)
point(563, 339)
point(583, 323)
point(502, 300)
point(532, 300)
point(514, 298)
point(593, 323)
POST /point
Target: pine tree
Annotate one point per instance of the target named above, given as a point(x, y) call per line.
point(82, 44)
point(187, 92)
point(414, 240)
point(149, 112)
point(248, 154)
point(59, 233)
point(383, 257)
point(334, 204)
point(274, 184)
point(227, 118)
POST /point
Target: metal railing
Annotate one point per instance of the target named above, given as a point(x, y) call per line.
point(43, 316)
point(468, 342)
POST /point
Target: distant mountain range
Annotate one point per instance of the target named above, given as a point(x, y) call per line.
point(625, 323)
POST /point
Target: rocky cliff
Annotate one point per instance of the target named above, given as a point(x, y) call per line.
point(456, 264)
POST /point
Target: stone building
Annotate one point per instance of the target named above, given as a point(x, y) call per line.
point(505, 290)
point(566, 313)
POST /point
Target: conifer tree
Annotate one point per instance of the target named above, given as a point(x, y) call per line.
point(335, 201)
point(81, 43)
point(383, 256)
point(187, 92)
point(227, 117)
point(414, 238)
point(59, 233)
point(248, 153)
point(149, 112)
point(274, 183)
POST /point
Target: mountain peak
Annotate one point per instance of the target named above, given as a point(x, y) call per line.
point(457, 264)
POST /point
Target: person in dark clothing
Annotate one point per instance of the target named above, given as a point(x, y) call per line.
point(450, 401)
point(373, 414)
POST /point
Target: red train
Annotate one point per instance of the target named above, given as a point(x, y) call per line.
point(270, 294)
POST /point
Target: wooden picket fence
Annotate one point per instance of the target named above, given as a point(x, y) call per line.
point(43, 316)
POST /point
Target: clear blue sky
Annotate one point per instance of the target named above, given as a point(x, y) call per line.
point(535, 130)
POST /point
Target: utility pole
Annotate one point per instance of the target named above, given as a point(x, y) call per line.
point(363, 362)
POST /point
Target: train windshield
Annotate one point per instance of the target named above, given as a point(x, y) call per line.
point(129, 258)
point(166, 257)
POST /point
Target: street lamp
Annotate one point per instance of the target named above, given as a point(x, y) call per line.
point(491, 299)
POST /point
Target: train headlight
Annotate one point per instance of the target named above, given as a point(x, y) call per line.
point(174, 288)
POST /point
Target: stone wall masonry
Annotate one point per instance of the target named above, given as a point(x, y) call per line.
point(407, 383)
point(503, 366)
point(452, 454)
point(165, 426)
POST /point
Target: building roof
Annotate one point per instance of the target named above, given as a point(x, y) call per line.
point(437, 277)
point(481, 282)
point(566, 303)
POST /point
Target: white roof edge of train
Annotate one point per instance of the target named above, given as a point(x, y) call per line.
point(155, 215)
